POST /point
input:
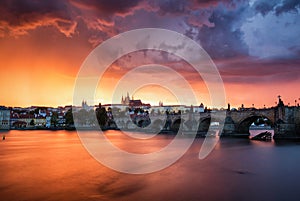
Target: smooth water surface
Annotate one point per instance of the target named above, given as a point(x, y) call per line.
point(53, 165)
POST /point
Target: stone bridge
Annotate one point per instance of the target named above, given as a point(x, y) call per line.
point(283, 119)
point(158, 122)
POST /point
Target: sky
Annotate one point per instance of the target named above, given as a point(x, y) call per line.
point(254, 44)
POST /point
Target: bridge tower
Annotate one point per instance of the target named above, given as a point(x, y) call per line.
point(287, 122)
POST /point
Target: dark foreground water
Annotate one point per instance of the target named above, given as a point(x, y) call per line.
point(45, 165)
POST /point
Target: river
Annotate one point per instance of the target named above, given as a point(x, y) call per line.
point(54, 165)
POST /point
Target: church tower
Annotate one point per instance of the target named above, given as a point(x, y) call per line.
point(126, 100)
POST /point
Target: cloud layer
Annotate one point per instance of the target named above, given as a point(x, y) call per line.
point(251, 41)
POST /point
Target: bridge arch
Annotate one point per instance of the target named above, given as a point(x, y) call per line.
point(143, 122)
point(175, 126)
point(204, 124)
point(244, 125)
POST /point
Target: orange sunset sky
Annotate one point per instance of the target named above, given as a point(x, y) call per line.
point(43, 44)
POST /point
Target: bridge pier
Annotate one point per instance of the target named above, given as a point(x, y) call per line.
point(288, 124)
point(285, 131)
point(229, 129)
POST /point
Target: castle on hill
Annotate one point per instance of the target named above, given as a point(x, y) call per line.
point(126, 101)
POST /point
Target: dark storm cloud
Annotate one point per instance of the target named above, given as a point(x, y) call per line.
point(277, 6)
point(172, 6)
point(110, 7)
point(181, 7)
point(224, 38)
point(220, 31)
point(265, 6)
point(21, 8)
point(100, 16)
point(17, 17)
point(215, 24)
point(204, 4)
point(288, 6)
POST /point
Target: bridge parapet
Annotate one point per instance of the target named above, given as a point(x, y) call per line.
point(285, 120)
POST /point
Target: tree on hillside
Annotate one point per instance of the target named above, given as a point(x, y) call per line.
point(69, 118)
point(101, 115)
point(54, 119)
